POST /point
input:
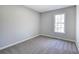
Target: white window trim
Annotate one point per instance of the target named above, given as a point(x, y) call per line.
point(64, 23)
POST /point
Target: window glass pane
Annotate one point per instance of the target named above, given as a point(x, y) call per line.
point(62, 18)
point(57, 18)
point(59, 23)
point(62, 30)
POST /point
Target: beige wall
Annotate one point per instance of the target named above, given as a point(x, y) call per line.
point(17, 23)
point(47, 23)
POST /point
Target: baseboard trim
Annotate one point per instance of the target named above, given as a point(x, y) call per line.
point(17, 42)
point(77, 46)
point(57, 37)
point(31, 38)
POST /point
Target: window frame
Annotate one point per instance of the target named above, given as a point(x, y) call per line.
point(55, 22)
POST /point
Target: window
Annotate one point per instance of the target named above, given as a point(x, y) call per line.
point(59, 23)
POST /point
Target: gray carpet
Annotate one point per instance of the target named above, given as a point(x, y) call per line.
point(42, 45)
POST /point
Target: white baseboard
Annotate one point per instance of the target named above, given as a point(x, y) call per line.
point(57, 37)
point(77, 46)
point(1, 48)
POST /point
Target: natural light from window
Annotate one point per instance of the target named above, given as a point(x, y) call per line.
point(59, 23)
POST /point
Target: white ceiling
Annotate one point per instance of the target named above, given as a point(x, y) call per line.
point(43, 8)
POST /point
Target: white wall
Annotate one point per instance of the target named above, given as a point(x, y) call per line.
point(47, 23)
point(77, 26)
point(17, 23)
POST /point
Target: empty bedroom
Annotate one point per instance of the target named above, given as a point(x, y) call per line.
point(39, 29)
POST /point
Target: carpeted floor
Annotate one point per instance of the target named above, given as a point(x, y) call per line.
point(42, 45)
